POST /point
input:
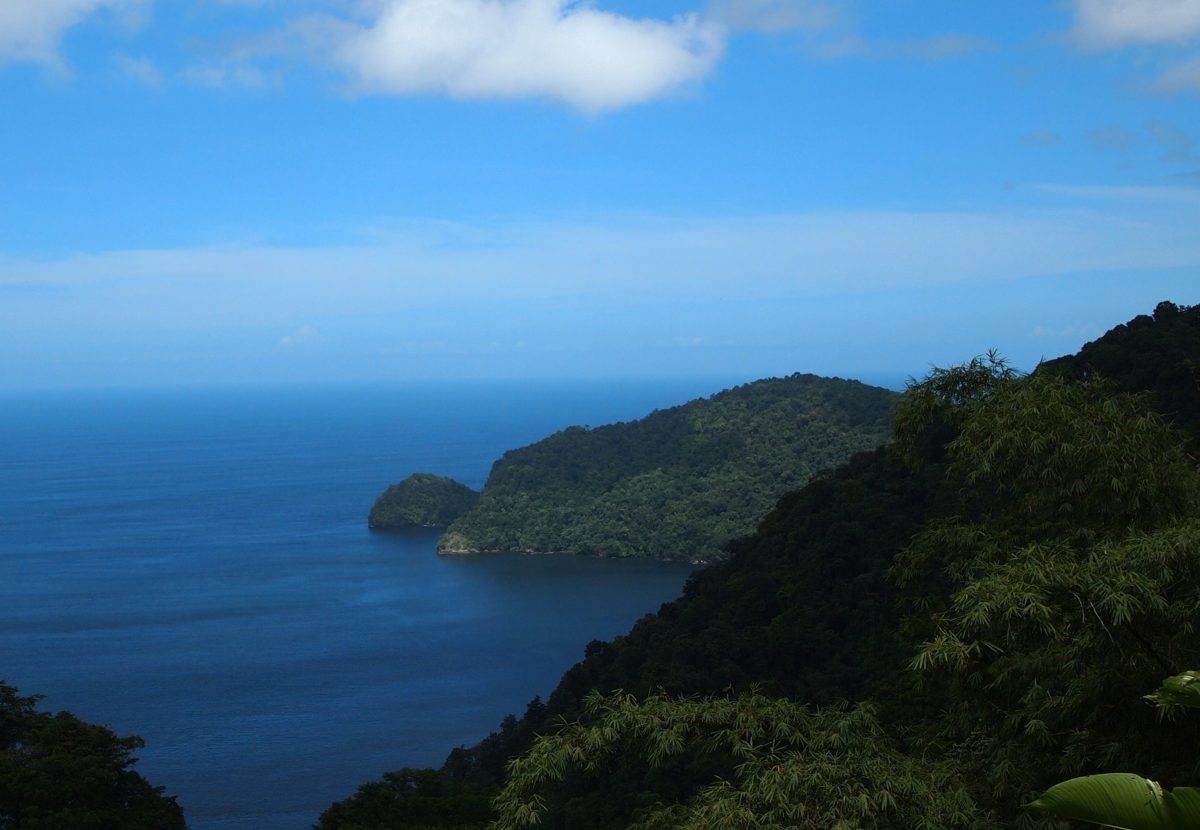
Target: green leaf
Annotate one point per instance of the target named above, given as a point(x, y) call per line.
point(1123, 800)
point(1180, 690)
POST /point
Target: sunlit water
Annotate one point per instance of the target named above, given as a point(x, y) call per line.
point(194, 567)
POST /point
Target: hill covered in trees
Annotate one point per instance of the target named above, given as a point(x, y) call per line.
point(679, 483)
point(421, 500)
point(930, 635)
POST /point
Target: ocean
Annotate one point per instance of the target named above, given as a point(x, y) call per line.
point(193, 566)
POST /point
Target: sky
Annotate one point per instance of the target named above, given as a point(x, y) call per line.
point(260, 191)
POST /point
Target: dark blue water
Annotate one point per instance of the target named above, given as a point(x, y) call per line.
point(194, 567)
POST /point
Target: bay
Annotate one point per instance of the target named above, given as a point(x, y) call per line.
point(193, 566)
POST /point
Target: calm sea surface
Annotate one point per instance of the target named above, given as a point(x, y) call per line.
point(194, 567)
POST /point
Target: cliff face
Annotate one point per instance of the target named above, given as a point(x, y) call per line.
point(421, 500)
point(678, 484)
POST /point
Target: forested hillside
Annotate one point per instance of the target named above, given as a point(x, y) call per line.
point(679, 483)
point(421, 500)
point(931, 634)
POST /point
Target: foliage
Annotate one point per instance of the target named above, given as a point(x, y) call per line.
point(1122, 800)
point(782, 765)
point(1073, 566)
point(1151, 353)
point(1181, 690)
point(933, 410)
point(422, 500)
point(411, 799)
point(678, 484)
point(60, 773)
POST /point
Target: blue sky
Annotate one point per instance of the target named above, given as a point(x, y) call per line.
point(259, 191)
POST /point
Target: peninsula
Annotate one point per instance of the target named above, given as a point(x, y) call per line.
point(677, 484)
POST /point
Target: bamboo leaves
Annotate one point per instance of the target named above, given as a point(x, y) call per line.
point(790, 766)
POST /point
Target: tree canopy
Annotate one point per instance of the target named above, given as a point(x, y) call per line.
point(58, 772)
point(678, 484)
point(421, 500)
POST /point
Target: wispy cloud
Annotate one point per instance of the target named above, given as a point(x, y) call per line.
point(30, 30)
point(140, 70)
point(934, 48)
point(1182, 77)
point(1166, 195)
point(1177, 145)
point(440, 296)
point(232, 73)
point(644, 259)
point(774, 15)
point(1162, 25)
point(1106, 24)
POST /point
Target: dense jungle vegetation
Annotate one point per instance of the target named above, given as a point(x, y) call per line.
point(930, 635)
point(421, 500)
point(679, 483)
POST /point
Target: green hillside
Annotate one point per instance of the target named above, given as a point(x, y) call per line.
point(678, 484)
point(930, 635)
point(421, 500)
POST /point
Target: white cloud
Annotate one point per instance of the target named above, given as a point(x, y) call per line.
point(556, 49)
point(30, 29)
point(1102, 24)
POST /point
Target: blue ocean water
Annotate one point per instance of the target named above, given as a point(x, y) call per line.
point(193, 566)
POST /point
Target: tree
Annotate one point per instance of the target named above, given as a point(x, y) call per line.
point(410, 799)
point(59, 773)
point(773, 764)
point(1067, 579)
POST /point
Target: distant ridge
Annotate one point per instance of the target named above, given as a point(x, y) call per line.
point(678, 484)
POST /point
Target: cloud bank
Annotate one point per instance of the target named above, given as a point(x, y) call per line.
point(607, 296)
point(555, 49)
